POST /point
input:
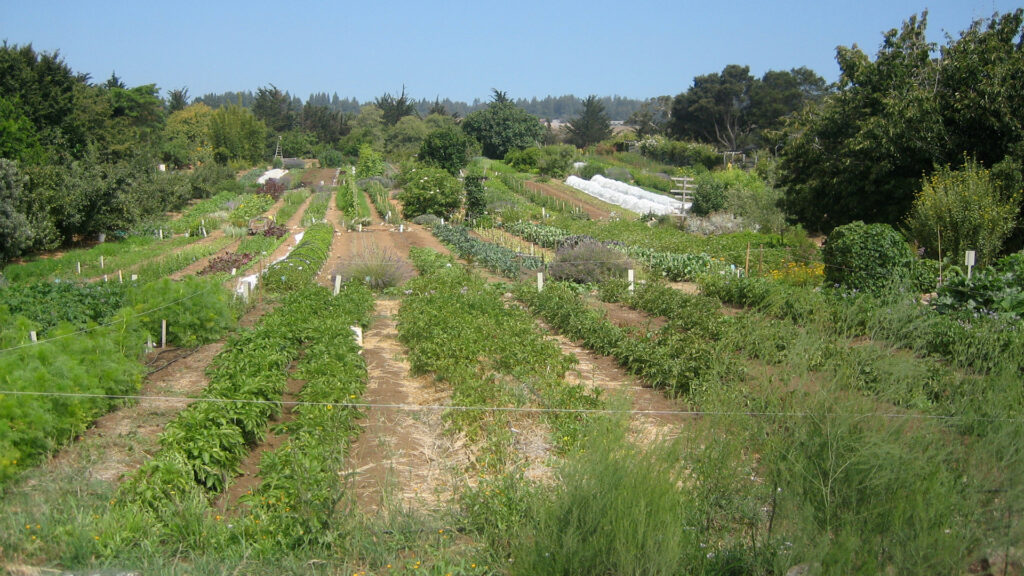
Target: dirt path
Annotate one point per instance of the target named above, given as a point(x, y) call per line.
point(402, 458)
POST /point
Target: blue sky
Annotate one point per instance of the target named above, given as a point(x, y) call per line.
point(460, 49)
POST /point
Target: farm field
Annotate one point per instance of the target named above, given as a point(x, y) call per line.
point(400, 397)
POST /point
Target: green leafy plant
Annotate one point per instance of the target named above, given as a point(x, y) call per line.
point(428, 190)
point(866, 257)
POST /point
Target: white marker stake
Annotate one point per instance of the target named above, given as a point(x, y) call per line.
point(163, 333)
point(101, 262)
point(401, 228)
point(104, 277)
point(234, 271)
point(360, 227)
point(629, 276)
point(135, 277)
point(120, 277)
point(969, 261)
point(337, 284)
point(540, 281)
point(32, 336)
point(161, 233)
point(79, 268)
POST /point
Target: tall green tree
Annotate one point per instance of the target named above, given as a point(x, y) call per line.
point(236, 134)
point(394, 108)
point(42, 88)
point(591, 126)
point(15, 232)
point(860, 154)
point(274, 108)
point(177, 99)
point(447, 148)
point(716, 108)
point(502, 127)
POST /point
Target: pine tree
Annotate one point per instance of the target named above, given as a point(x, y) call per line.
point(591, 126)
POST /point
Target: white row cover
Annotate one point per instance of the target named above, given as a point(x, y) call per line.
point(275, 174)
point(629, 197)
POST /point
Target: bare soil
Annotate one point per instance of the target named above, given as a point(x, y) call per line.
point(551, 190)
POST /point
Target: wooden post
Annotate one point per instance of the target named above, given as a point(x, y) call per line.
point(79, 266)
point(120, 277)
point(540, 281)
point(760, 259)
point(161, 233)
point(629, 276)
point(337, 284)
point(163, 333)
point(939, 230)
point(101, 262)
point(746, 263)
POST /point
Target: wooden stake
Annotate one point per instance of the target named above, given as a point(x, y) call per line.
point(540, 281)
point(79, 268)
point(101, 262)
point(629, 276)
point(746, 263)
point(32, 336)
point(120, 277)
point(163, 333)
point(760, 259)
point(337, 284)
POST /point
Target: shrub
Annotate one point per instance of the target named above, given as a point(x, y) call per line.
point(525, 160)
point(590, 169)
point(556, 161)
point(447, 148)
point(996, 290)
point(709, 196)
point(680, 153)
point(370, 163)
point(589, 262)
point(966, 207)
point(866, 256)
point(430, 191)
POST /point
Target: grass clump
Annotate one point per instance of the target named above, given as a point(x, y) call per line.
point(378, 268)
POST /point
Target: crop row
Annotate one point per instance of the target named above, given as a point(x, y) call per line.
point(296, 505)
point(981, 344)
point(61, 384)
point(304, 262)
point(670, 265)
point(458, 327)
point(677, 358)
point(497, 258)
point(203, 446)
point(381, 202)
point(317, 208)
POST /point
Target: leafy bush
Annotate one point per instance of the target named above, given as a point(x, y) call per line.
point(709, 196)
point(680, 153)
point(866, 256)
point(197, 310)
point(965, 208)
point(429, 190)
point(590, 169)
point(589, 262)
point(370, 163)
point(447, 148)
point(524, 160)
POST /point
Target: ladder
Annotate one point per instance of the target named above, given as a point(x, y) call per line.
point(277, 152)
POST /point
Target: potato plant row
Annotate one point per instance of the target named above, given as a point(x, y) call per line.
point(202, 447)
point(296, 505)
point(303, 263)
point(678, 358)
point(459, 328)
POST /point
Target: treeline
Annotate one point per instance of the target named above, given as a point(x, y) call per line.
point(550, 107)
